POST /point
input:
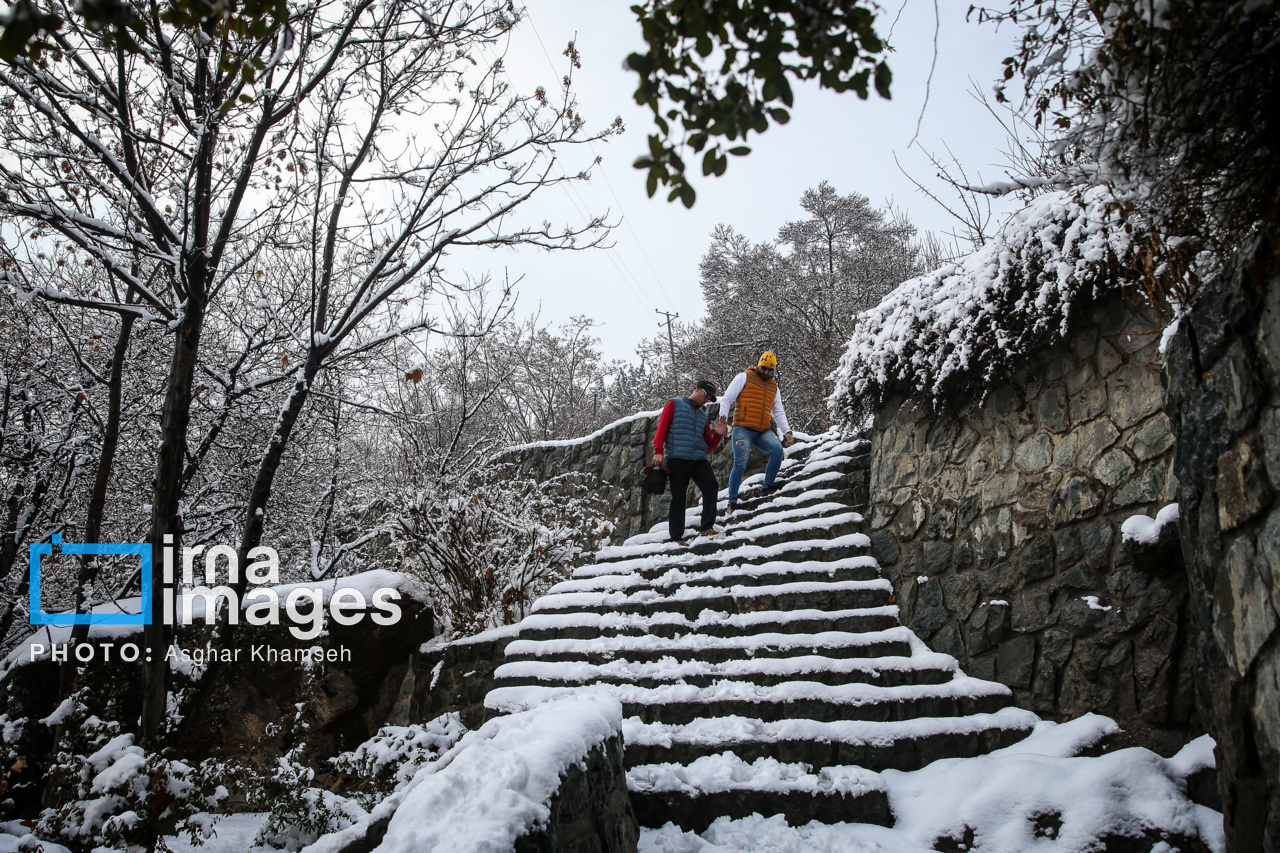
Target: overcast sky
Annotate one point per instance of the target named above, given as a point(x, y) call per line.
point(837, 138)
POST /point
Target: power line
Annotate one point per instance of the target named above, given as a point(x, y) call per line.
point(639, 244)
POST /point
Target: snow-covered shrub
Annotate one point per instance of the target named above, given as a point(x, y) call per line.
point(489, 544)
point(299, 812)
point(380, 765)
point(948, 333)
point(115, 795)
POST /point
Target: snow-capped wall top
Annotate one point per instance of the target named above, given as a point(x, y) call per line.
point(949, 332)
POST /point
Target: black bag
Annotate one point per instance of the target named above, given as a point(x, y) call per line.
point(655, 480)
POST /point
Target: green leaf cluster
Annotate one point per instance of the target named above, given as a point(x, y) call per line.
point(716, 70)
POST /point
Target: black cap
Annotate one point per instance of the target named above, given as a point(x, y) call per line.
point(710, 388)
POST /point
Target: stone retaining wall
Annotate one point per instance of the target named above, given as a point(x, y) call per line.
point(1224, 397)
point(999, 523)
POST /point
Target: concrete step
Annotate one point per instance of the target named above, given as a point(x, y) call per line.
point(895, 642)
point(693, 600)
point(814, 506)
point(692, 796)
point(929, 668)
point(682, 704)
point(763, 535)
point(764, 574)
point(810, 546)
point(899, 745)
point(708, 623)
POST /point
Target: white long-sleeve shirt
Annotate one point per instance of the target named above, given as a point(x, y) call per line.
point(731, 393)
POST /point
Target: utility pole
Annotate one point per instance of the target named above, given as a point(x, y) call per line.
point(670, 340)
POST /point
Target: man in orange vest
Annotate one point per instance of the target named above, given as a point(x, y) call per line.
point(756, 393)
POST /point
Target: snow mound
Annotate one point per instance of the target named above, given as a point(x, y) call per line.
point(1146, 531)
point(496, 784)
point(950, 331)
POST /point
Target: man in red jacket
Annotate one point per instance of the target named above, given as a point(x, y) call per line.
point(680, 444)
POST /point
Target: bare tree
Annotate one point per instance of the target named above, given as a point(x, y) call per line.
point(385, 137)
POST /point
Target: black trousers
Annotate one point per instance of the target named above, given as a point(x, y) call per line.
point(682, 471)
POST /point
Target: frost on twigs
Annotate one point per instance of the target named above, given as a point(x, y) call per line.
point(489, 544)
point(946, 334)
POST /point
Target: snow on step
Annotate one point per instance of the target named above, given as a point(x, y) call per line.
point(849, 696)
point(720, 574)
point(576, 600)
point(734, 528)
point(713, 774)
point(801, 524)
point(721, 732)
point(675, 555)
point(671, 669)
point(645, 623)
point(749, 644)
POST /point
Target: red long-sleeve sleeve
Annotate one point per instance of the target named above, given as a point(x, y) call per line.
point(712, 437)
point(664, 421)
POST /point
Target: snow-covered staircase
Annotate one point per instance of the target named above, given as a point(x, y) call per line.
point(761, 670)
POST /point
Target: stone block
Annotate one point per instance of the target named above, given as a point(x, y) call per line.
point(1004, 400)
point(1056, 646)
point(999, 490)
point(936, 557)
point(1033, 455)
point(884, 547)
point(1152, 438)
point(1134, 392)
point(1252, 616)
point(963, 554)
point(1270, 430)
point(960, 593)
point(1084, 376)
point(1086, 341)
point(1037, 558)
point(1077, 498)
point(965, 441)
point(967, 512)
point(993, 536)
point(1243, 490)
point(1003, 444)
point(1234, 383)
point(908, 521)
point(1031, 610)
point(983, 667)
point(1095, 437)
point(1079, 617)
point(1126, 582)
point(1037, 491)
point(1051, 410)
point(1097, 538)
point(881, 515)
point(981, 461)
point(1108, 358)
point(1014, 661)
point(1088, 403)
point(1044, 687)
point(1070, 550)
point(930, 614)
point(942, 521)
point(987, 628)
point(1147, 487)
point(1057, 368)
point(1114, 468)
point(1081, 576)
point(948, 641)
point(1065, 455)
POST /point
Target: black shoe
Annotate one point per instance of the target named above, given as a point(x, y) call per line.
point(768, 490)
point(733, 507)
point(683, 542)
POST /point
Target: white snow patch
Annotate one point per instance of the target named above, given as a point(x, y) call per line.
point(1146, 531)
point(1094, 603)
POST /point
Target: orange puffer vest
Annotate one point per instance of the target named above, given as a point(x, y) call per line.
point(754, 406)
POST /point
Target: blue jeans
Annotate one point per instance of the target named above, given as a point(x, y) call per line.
point(743, 440)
